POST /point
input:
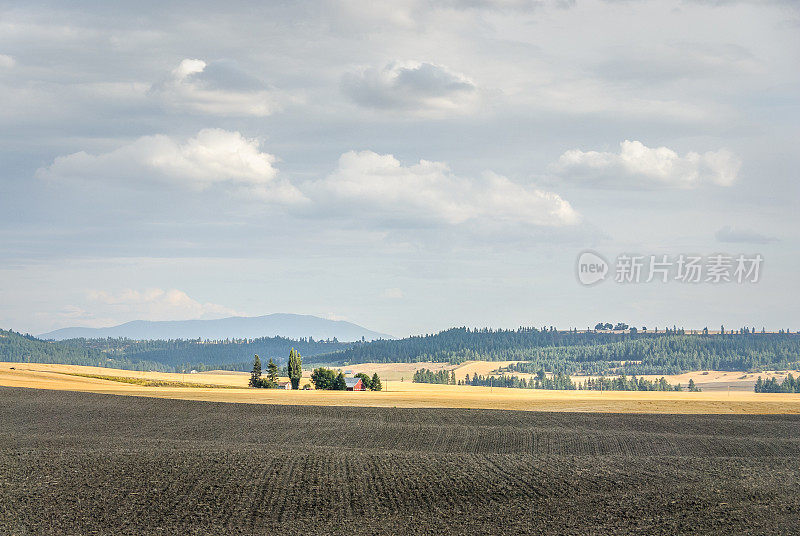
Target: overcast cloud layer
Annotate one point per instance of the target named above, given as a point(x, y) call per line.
point(407, 168)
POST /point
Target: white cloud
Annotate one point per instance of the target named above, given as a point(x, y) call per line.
point(6, 62)
point(217, 88)
point(637, 165)
point(212, 157)
point(743, 236)
point(365, 187)
point(157, 304)
point(411, 86)
point(378, 187)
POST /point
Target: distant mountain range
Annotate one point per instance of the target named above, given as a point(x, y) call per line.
point(236, 327)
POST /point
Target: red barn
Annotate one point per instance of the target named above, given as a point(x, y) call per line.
point(354, 384)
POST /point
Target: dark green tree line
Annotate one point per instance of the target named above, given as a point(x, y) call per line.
point(790, 384)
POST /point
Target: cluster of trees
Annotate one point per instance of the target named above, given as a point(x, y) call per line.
point(622, 326)
point(622, 383)
point(790, 384)
point(331, 380)
point(294, 370)
point(327, 379)
point(271, 379)
point(428, 376)
point(559, 381)
point(608, 326)
point(563, 382)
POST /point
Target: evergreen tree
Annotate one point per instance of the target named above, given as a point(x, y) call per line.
point(339, 384)
point(375, 383)
point(759, 387)
point(428, 376)
point(255, 375)
point(295, 368)
point(272, 373)
point(790, 384)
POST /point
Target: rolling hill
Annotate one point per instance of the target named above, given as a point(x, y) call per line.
point(279, 324)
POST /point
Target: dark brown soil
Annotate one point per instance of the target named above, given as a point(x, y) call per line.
point(76, 463)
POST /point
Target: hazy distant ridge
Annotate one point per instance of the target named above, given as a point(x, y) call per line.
point(278, 324)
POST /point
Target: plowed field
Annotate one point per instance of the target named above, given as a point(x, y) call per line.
point(84, 463)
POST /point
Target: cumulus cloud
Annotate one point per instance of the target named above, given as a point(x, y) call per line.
point(213, 157)
point(744, 236)
point(637, 165)
point(6, 62)
point(378, 187)
point(157, 304)
point(217, 88)
point(365, 186)
point(411, 86)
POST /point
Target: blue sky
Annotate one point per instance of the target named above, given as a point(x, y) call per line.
point(407, 168)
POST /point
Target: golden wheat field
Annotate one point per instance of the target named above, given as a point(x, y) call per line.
point(231, 387)
point(713, 380)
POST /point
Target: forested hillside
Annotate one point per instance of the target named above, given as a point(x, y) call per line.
point(167, 356)
point(230, 354)
point(568, 352)
point(589, 352)
point(28, 349)
point(670, 354)
point(457, 345)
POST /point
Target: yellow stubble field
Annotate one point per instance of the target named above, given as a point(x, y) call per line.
point(713, 380)
point(400, 394)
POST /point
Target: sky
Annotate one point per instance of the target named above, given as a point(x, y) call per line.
point(408, 167)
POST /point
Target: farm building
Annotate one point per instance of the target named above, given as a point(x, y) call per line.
point(354, 384)
point(284, 385)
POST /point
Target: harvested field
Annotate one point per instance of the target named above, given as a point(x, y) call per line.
point(707, 380)
point(81, 463)
point(144, 382)
point(396, 394)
